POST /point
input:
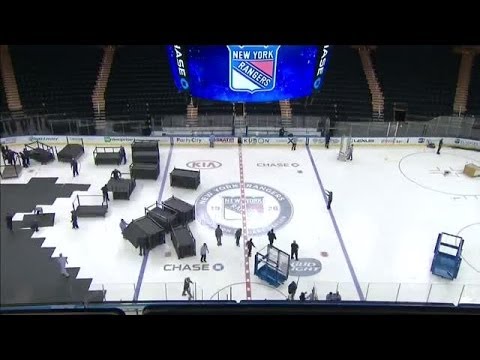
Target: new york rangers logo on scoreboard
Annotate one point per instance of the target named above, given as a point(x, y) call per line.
point(253, 67)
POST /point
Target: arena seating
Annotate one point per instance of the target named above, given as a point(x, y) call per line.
point(56, 79)
point(207, 107)
point(3, 98)
point(345, 94)
point(424, 77)
point(141, 84)
point(473, 105)
point(272, 108)
point(3, 106)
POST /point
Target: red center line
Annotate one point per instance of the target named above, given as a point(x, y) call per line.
point(244, 224)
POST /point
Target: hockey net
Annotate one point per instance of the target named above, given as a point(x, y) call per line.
point(345, 144)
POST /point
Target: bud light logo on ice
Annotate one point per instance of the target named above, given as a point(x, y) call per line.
point(253, 68)
point(305, 267)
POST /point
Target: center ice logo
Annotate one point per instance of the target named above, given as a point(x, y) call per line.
point(233, 210)
point(266, 208)
point(252, 68)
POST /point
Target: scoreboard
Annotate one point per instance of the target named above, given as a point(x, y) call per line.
point(249, 73)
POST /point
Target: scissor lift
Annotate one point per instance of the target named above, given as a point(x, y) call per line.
point(447, 256)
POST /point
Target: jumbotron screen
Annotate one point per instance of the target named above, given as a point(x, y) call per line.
point(248, 73)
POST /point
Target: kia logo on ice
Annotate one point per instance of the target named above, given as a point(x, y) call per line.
point(204, 164)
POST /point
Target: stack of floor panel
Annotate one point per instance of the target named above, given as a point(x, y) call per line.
point(107, 155)
point(147, 229)
point(145, 160)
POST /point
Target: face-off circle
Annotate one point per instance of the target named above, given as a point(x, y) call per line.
point(266, 208)
point(471, 247)
point(440, 173)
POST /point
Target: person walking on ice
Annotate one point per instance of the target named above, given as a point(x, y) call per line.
point(212, 140)
point(116, 174)
point(294, 248)
point(74, 166)
point(187, 289)
point(218, 235)
point(294, 143)
point(74, 219)
point(329, 198)
point(440, 144)
point(105, 194)
point(63, 265)
point(143, 245)
point(123, 155)
point(203, 252)
point(271, 237)
point(327, 139)
point(350, 153)
point(24, 160)
point(238, 234)
point(292, 289)
point(123, 225)
point(250, 244)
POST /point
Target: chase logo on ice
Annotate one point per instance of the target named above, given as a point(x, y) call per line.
point(252, 68)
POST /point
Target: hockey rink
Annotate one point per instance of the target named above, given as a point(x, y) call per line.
point(376, 243)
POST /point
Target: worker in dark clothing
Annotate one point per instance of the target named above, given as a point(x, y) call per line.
point(187, 289)
point(74, 220)
point(74, 166)
point(142, 244)
point(440, 144)
point(294, 248)
point(238, 235)
point(116, 174)
point(105, 194)
point(27, 156)
point(281, 132)
point(9, 219)
point(249, 247)
point(24, 160)
point(34, 225)
point(12, 160)
point(218, 235)
point(334, 296)
point(8, 157)
point(327, 139)
point(329, 199)
point(271, 237)
point(292, 289)
point(123, 155)
point(4, 152)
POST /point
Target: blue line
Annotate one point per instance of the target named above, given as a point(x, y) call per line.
point(337, 230)
point(145, 257)
point(165, 172)
point(140, 276)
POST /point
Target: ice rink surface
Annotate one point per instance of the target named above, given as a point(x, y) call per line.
point(376, 243)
